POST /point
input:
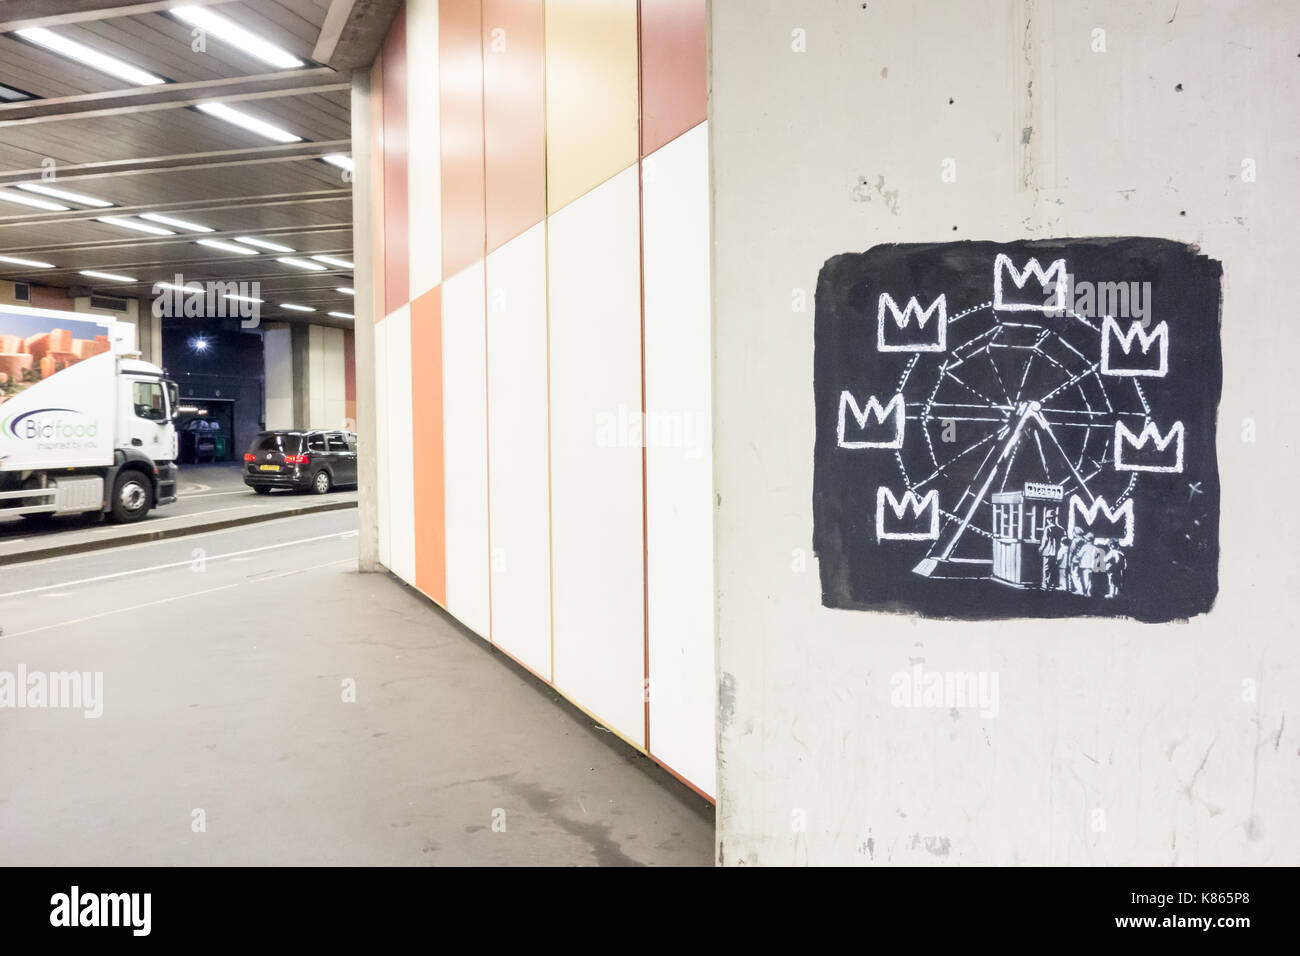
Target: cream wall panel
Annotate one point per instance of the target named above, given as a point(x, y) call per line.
point(465, 448)
point(424, 162)
point(595, 347)
point(679, 472)
point(401, 477)
point(383, 443)
point(517, 403)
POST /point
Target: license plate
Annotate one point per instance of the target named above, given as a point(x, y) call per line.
point(268, 467)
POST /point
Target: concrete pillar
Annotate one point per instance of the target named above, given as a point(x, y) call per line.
point(363, 255)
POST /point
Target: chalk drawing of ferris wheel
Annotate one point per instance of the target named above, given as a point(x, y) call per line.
point(1017, 419)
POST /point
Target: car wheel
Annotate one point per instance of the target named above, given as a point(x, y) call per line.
point(320, 482)
point(132, 497)
point(262, 489)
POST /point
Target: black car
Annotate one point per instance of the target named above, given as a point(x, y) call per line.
point(315, 460)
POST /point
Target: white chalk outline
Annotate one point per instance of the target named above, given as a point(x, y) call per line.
point(1099, 504)
point(1057, 268)
point(1124, 437)
point(902, 320)
point(929, 501)
point(1126, 339)
point(895, 407)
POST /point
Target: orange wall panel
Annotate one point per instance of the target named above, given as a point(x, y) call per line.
point(396, 238)
point(460, 85)
point(514, 117)
point(674, 70)
point(427, 447)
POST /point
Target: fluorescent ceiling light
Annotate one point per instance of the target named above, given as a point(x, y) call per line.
point(343, 315)
point(335, 261)
point(346, 290)
point(226, 246)
point(301, 264)
point(263, 244)
point(178, 223)
point(232, 33)
point(251, 123)
point(22, 200)
point(241, 298)
point(110, 276)
point(136, 225)
point(296, 308)
point(26, 262)
point(341, 160)
point(81, 198)
point(178, 288)
point(90, 57)
point(11, 95)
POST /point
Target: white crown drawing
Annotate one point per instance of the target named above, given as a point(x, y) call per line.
point(913, 519)
point(887, 435)
point(928, 333)
point(1016, 298)
point(1153, 366)
point(1100, 518)
point(1170, 458)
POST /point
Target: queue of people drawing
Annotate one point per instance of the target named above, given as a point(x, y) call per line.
point(1079, 562)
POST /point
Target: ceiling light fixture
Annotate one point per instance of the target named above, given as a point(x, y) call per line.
point(251, 123)
point(343, 315)
point(90, 57)
point(341, 160)
point(22, 200)
point(241, 298)
point(110, 276)
point(81, 198)
point(179, 288)
point(296, 308)
point(237, 36)
point(125, 223)
point(32, 263)
point(335, 261)
point(178, 223)
point(301, 264)
point(263, 244)
point(226, 246)
point(346, 290)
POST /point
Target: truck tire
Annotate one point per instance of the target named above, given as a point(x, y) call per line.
point(320, 482)
point(132, 497)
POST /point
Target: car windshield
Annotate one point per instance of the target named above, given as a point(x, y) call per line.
point(287, 444)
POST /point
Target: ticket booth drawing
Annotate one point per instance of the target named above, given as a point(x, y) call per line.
point(1018, 521)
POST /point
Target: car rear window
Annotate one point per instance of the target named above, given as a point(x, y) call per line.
point(288, 444)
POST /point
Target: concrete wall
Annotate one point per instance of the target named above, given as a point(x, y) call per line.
point(310, 380)
point(1114, 743)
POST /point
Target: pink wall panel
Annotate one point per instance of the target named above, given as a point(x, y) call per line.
point(514, 117)
point(460, 83)
point(396, 239)
point(674, 80)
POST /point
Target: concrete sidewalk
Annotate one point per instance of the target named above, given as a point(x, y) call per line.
point(226, 692)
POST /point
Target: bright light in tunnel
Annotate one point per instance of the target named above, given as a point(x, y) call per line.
point(296, 308)
point(22, 200)
point(225, 246)
point(90, 57)
point(263, 244)
point(178, 223)
point(110, 276)
point(301, 264)
point(30, 263)
point(251, 123)
point(341, 160)
point(343, 315)
point(124, 223)
point(335, 261)
point(230, 32)
point(80, 198)
point(346, 290)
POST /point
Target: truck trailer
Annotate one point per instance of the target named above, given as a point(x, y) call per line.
point(85, 425)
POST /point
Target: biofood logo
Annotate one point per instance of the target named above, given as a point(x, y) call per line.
point(52, 427)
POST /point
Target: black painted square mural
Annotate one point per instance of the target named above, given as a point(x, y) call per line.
point(1019, 429)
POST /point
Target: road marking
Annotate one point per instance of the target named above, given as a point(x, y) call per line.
point(173, 540)
point(175, 597)
point(216, 494)
point(175, 564)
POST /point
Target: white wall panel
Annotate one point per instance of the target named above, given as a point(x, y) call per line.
point(679, 473)
point(464, 393)
point(595, 347)
point(334, 406)
point(424, 163)
point(277, 352)
point(383, 443)
point(517, 403)
point(401, 477)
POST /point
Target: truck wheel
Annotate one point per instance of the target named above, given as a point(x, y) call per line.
point(132, 497)
point(320, 482)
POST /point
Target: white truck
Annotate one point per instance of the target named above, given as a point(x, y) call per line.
point(84, 424)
